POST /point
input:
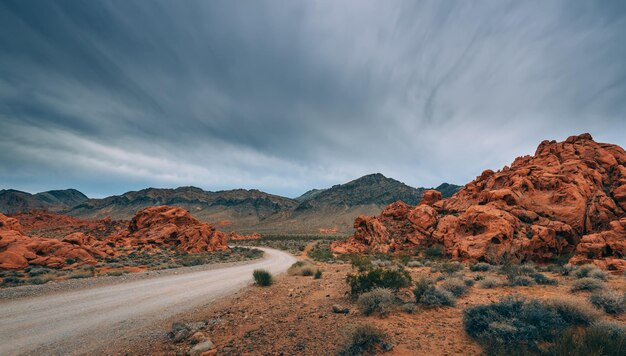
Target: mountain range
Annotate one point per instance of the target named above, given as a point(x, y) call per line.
point(334, 208)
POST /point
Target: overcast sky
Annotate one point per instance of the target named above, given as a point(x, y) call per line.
point(285, 96)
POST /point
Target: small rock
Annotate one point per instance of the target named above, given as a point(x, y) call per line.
point(201, 347)
point(196, 338)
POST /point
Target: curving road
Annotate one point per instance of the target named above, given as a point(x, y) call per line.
point(80, 321)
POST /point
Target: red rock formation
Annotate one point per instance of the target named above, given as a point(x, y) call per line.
point(328, 231)
point(17, 250)
point(43, 223)
point(538, 208)
point(152, 228)
point(430, 197)
point(167, 226)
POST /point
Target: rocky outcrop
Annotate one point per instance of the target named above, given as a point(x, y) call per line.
point(151, 229)
point(539, 208)
point(237, 237)
point(168, 226)
point(18, 251)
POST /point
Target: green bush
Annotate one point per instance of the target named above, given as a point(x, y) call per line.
point(602, 338)
point(421, 286)
point(480, 267)
point(612, 302)
point(378, 278)
point(262, 277)
point(572, 311)
point(587, 283)
point(542, 279)
point(521, 281)
point(469, 282)
point(515, 324)
point(448, 267)
point(409, 308)
point(435, 251)
point(318, 274)
point(302, 268)
point(437, 297)
point(590, 271)
point(490, 282)
point(455, 286)
point(362, 339)
point(378, 300)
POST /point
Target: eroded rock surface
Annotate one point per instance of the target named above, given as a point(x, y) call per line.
point(568, 198)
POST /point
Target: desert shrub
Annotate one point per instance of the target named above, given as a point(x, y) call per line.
point(40, 280)
point(34, 272)
point(115, 273)
point(567, 269)
point(192, 260)
point(448, 267)
point(601, 338)
point(542, 279)
point(381, 278)
point(437, 297)
point(455, 286)
point(421, 286)
point(480, 267)
point(414, 264)
point(587, 283)
point(262, 277)
point(318, 274)
point(362, 339)
point(381, 263)
point(490, 282)
point(612, 302)
point(408, 308)
point(469, 282)
point(515, 323)
point(590, 271)
point(573, 312)
point(70, 261)
point(435, 251)
point(360, 262)
point(79, 274)
point(321, 252)
point(525, 269)
point(301, 268)
point(479, 277)
point(378, 301)
point(521, 281)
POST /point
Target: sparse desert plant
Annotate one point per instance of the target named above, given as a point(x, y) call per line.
point(469, 282)
point(611, 301)
point(437, 297)
point(318, 274)
point(604, 338)
point(455, 286)
point(414, 264)
point(408, 308)
point(80, 274)
point(587, 284)
point(448, 267)
point(542, 279)
point(262, 277)
point(515, 323)
point(301, 268)
point(421, 286)
point(480, 267)
point(435, 251)
point(521, 281)
point(590, 271)
point(43, 279)
point(362, 339)
point(489, 282)
point(362, 263)
point(573, 311)
point(381, 278)
point(378, 301)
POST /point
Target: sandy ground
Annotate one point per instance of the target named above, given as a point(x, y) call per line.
point(294, 317)
point(93, 320)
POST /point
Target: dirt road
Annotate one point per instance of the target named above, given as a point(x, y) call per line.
point(83, 321)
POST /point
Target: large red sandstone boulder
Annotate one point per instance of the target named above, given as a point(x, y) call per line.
point(539, 208)
point(167, 226)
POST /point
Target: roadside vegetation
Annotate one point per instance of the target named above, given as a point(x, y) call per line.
point(120, 265)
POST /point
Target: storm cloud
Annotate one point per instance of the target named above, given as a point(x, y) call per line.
point(284, 96)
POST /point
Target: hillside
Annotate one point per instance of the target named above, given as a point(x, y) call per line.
point(14, 201)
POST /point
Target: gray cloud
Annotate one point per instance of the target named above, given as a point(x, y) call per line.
point(108, 96)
